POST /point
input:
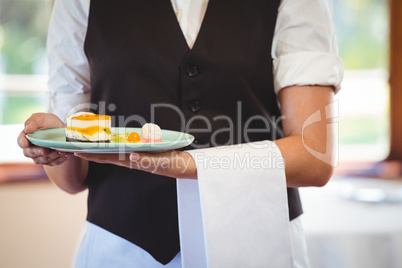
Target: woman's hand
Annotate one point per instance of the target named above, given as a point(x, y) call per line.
point(68, 175)
point(175, 164)
point(40, 155)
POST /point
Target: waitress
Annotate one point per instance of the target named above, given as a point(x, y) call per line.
point(273, 61)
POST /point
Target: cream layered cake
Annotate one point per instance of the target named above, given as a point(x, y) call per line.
point(88, 127)
point(151, 133)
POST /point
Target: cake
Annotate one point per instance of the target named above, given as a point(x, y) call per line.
point(151, 133)
point(88, 127)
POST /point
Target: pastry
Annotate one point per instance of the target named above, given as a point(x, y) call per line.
point(88, 127)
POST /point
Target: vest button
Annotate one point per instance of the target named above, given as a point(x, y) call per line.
point(195, 106)
point(192, 71)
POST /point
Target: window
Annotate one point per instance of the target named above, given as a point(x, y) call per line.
point(23, 69)
point(23, 63)
point(362, 30)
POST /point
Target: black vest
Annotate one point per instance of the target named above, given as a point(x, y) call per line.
point(138, 56)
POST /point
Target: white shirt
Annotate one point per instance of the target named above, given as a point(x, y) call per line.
point(304, 47)
point(304, 52)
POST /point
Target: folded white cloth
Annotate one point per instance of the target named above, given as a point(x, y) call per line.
point(236, 213)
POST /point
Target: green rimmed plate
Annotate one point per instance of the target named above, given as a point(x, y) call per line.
point(56, 139)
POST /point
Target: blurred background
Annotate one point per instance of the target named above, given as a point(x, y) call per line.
point(355, 221)
point(362, 28)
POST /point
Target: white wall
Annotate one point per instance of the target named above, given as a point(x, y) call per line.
point(40, 225)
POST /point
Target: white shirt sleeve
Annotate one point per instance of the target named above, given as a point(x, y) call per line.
point(304, 48)
point(69, 83)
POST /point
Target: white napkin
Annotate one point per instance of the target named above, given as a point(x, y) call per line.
point(236, 213)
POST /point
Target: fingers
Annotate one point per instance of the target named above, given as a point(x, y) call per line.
point(35, 151)
point(152, 157)
point(22, 140)
point(173, 164)
point(34, 122)
point(51, 160)
point(42, 121)
point(43, 156)
point(60, 160)
point(147, 159)
point(151, 162)
point(40, 155)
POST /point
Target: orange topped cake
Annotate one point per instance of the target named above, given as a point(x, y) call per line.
point(88, 127)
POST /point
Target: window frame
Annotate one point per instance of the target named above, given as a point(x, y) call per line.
point(395, 81)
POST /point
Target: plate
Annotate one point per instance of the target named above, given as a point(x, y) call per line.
point(55, 138)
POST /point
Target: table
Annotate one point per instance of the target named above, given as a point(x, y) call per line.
point(354, 222)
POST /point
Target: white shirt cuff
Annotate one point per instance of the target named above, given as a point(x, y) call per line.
point(307, 68)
